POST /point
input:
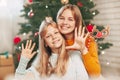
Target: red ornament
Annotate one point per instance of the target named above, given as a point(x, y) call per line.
point(90, 28)
point(99, 35)
point(16, 40)
point(30, 1)
point(79, 4)
point(30, 14)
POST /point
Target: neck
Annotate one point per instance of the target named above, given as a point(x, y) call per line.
point(69, 36)
point(55, 51)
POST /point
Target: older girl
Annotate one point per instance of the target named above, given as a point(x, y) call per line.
point(68, 19)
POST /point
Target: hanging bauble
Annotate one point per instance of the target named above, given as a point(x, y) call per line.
point(16, 40)
point(79, 4)
point(30, 1)
point(64, 1)
point(27, 2)
point(36, 34)
point(90, 28)
point(31, 14)
point(99, 35)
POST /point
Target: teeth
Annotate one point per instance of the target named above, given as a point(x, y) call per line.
point(55, 41)
point(65, 27)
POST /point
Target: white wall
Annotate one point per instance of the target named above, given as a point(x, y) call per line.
point(9, 18)
point(110, 15)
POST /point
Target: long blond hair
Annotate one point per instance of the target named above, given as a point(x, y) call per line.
point(75, 11)
point(44, 68)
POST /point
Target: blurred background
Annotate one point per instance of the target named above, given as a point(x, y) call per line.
point(10, 17)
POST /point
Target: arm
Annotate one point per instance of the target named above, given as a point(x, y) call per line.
point(26, 55)
point(90, 59)
point(21, 72)
point(88, 50)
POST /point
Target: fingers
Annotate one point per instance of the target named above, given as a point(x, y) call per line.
point(79, 30)
point(86, 35)
point(33, 53)
point(75, 32)
point(22, 46)
point(29, 45)
point(33, 46)
point(69, 47)
point(83, 32)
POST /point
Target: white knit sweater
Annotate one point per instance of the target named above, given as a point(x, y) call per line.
point(75, 70)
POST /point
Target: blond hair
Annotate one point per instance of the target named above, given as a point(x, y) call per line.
point(44, 68)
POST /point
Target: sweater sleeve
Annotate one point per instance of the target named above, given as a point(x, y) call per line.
point(21, 72)
point(90, 59)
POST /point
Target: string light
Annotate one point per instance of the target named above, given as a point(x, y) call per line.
point(100, 47)
point(96, 40)
point(102, 52)
point(46, 6)
point(37, 51)
point(19, 47)
point(108, 63)
point(91, 0)
point(93, 13)
point(24, 34)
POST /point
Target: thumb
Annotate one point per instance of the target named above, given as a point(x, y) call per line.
point(34, 53)
point(69, 48)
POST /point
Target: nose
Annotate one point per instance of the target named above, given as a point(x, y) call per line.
point(65, 21)
point(53, 36)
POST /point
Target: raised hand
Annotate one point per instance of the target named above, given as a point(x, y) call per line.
point(80, 38)
point(27, 51)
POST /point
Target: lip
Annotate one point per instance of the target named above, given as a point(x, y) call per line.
point(64, 27)
point(56, 41)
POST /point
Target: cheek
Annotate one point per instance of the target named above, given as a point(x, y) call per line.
point(60, 22)
point(73, 24)
point(47, 42)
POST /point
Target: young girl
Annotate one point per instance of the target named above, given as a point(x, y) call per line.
point(54, 62)
point(68, 19)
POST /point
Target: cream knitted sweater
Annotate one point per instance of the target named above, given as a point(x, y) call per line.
point(75, 70)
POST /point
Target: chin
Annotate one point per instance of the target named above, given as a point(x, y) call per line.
point(57, 46)
point(64, 32)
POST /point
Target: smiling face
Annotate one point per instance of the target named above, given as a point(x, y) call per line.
point(68, 17)
point(53, 38)
point(66, 22)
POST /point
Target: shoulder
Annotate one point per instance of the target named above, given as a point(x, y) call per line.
point(90, 41)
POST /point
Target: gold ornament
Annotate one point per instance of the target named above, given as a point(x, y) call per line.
point(64, 1)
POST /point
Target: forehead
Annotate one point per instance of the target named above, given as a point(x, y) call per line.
point(67, 12)
point(50, 29)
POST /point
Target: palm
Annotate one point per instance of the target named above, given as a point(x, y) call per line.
point(28, 50)
point(80, 38)
point(79, 43)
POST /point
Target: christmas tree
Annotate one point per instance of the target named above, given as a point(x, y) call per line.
point(36, 10)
